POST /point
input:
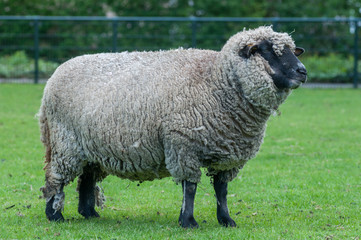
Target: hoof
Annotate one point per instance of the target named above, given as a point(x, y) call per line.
point(227, 222)
point(89, 213)
point(188, 222)
point(57, 217)
point(54, 216)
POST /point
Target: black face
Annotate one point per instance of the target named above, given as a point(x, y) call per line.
point(288, 71)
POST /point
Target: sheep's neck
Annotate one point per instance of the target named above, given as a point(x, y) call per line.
point(250, 119)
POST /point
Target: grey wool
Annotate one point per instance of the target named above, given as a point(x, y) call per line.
point(148, 115)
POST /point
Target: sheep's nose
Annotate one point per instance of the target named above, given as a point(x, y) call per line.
point(302, 70)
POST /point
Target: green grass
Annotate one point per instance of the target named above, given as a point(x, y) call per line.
point(304, 184)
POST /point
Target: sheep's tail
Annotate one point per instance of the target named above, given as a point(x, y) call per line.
point(49, 190)
point(45, 134)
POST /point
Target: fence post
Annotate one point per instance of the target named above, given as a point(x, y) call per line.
point(194, 32)
point(36, 51)
point(115, 35)
point(275, 23)
point(355, 70)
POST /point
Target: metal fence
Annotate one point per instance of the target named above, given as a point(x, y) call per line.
point(31, 47)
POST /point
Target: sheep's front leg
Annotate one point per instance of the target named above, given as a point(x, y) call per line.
point(186, 218)
point(222, 209)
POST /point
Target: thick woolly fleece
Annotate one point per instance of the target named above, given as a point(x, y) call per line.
point(148, 115)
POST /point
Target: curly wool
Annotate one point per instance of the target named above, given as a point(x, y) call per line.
point(260, 91)
point(148, 115)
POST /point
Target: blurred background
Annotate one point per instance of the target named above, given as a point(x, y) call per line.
point(305, 181)
point(36, 36)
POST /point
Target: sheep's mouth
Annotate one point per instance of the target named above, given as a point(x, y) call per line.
point(296, 83)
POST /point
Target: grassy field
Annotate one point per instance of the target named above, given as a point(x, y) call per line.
point(304, 184)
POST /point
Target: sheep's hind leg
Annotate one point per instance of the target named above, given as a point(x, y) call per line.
point(54, 207)
point(222, 208)
point(86, 188)
point(186, 218)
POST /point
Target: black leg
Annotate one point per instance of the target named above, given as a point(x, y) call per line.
point(186, 218)
point(222, 208)
point(86, 188)
point(51, 214)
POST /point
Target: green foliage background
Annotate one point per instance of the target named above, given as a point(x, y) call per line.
point(329, 46)
point(204, 8)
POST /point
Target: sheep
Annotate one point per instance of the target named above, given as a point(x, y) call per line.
point(149, 115)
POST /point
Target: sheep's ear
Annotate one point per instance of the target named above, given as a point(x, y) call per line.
point(248, 50)
point(299, 51)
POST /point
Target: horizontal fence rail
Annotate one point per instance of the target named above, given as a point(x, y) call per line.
point(182, 19)
point(47, 41)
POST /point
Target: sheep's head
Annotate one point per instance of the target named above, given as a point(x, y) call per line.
point(264, 65)
point(286, 71)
